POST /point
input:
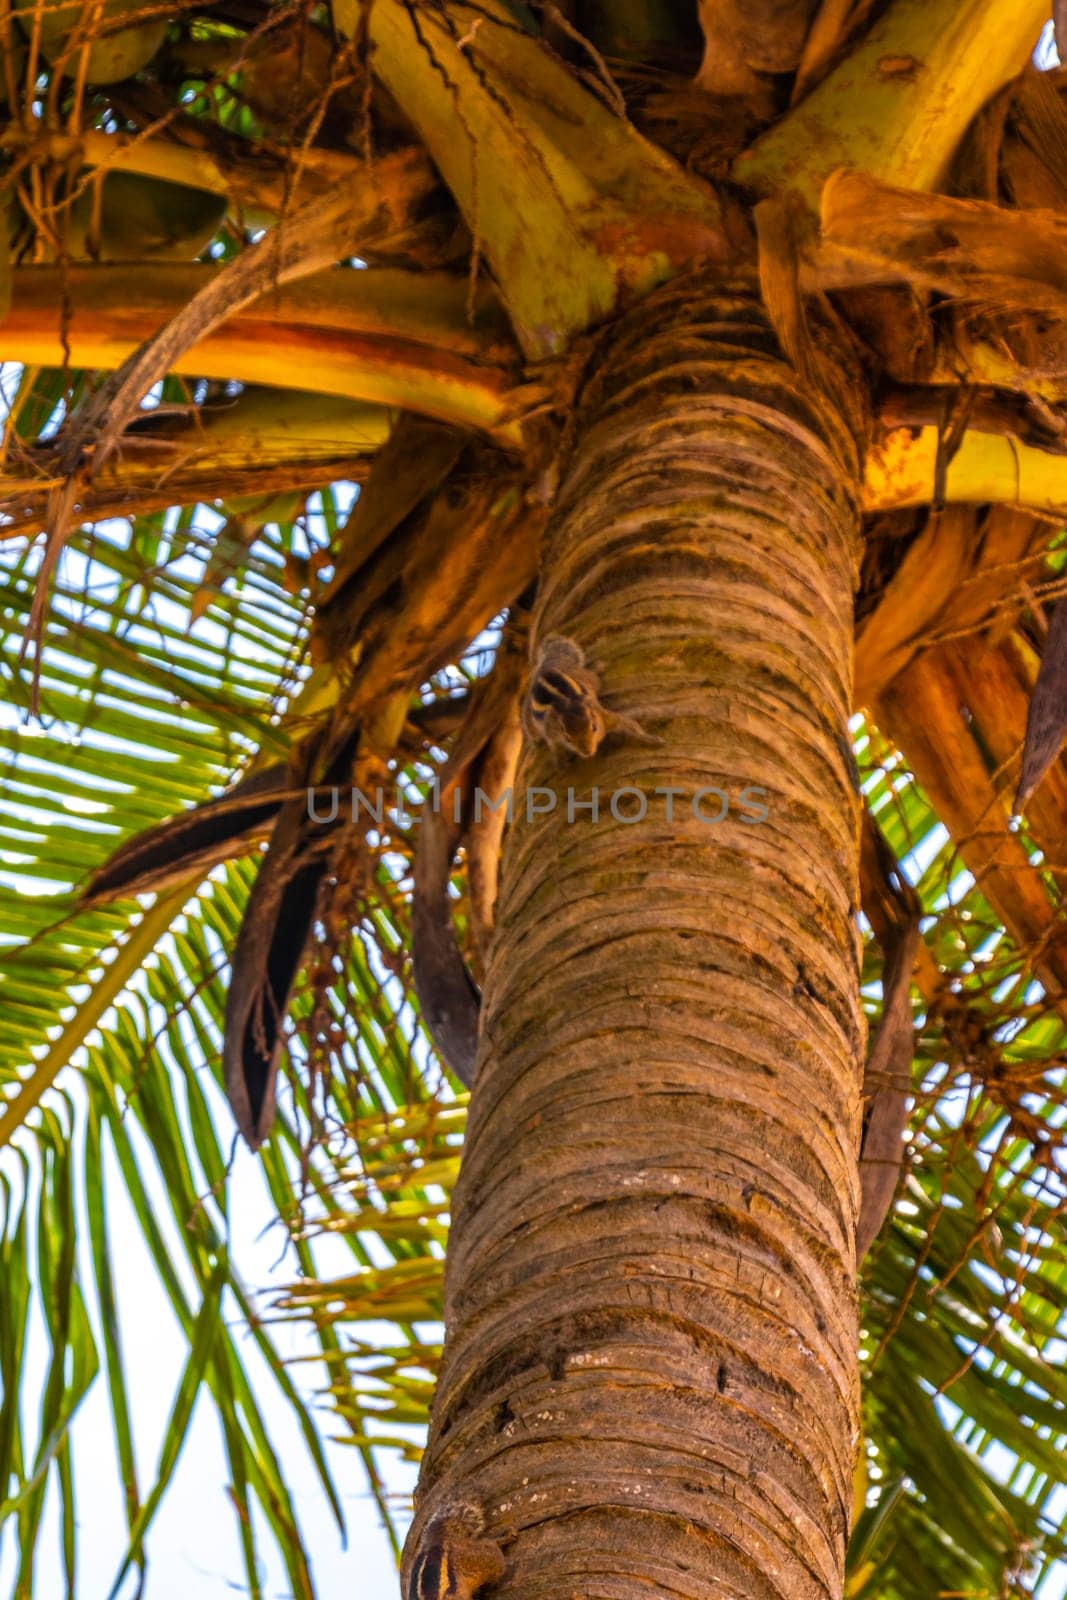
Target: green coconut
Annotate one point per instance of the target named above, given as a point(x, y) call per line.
point(137, 218)
point(113, 55)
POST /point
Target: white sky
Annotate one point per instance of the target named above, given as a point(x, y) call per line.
point(193, 1546)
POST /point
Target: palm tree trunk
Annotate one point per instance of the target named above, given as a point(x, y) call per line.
point(650, 1377)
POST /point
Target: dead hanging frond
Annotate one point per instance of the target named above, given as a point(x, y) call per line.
point(778, 227)
point(914, 598)
point(310, 239)
point(1004, 273)
point(958, 711)
point(313, 846)
point(887, 1074)
point(276, 928)
point(419, 582)
point(193, 842)
point(473, 780)
point(410, 467)
point(267, 443)
point(1015, 151)
point(971, 250)
point(1046, 724)
point(1032, 172)
point(827, 361)
point(497, 768)
point(431, 577)
point(451, 563)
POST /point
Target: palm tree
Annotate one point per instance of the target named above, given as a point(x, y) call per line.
point(702, 371)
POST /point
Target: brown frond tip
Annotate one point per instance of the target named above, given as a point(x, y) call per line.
point(1046, 723)
point(194, 841)
point(269, 952)
point(887, 1072)
point(274, 936)
point(482, 762)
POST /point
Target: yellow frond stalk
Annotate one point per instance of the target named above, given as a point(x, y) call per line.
point(899, 104)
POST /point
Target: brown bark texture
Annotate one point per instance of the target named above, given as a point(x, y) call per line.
point(650, 1378)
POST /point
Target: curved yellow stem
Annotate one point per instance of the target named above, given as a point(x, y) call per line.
point(898, 105)
point(987, 468)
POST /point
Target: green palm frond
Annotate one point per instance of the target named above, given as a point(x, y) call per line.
point(964, 1294)
point(111, 1017)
